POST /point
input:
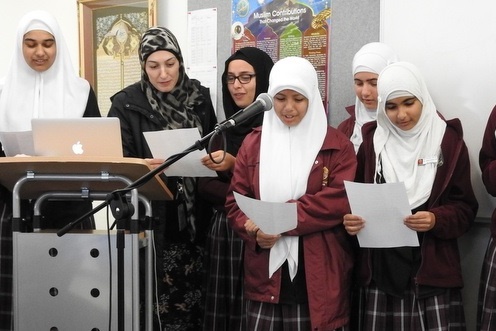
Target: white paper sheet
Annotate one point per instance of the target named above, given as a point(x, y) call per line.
point(202, 50)
point(271, 217)
point(383, 207)
point(166, 143)
point(15, 143)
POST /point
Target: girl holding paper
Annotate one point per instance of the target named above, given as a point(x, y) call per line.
point(415, 288)
point(299, 279)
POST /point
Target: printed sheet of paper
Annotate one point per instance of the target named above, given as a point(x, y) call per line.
point(383, 207)
point(202, 49)
point(15, 143)
point(271, 217)
point(166, 143)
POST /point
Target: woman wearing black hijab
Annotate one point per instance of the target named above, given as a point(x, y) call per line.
point(245, 76)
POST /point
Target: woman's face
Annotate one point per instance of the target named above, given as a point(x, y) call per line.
point(162, 68)
point(404, 112)
point(366, 89)
point(39, 50)
point(241, 82)
point(290, 106)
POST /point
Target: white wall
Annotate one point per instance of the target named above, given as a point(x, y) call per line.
point(173, 14)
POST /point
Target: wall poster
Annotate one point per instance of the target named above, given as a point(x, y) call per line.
point(285, 28)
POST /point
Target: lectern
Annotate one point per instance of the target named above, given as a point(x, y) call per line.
point(71, 282)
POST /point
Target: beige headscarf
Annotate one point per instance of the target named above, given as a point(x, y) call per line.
point(55, 93)
point(288, 153)
point(372, 57)
point(398, 152)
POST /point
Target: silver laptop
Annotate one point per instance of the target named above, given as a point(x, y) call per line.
point(87, 136)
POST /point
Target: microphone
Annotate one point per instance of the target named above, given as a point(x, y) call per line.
point(261, 104)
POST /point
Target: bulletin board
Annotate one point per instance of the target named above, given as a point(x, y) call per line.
point(453, 42)
point(354, 23)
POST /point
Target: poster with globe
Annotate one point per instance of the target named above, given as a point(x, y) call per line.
point(285, 28)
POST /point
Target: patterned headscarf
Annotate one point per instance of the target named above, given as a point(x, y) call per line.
point(176, 109)
point(262, 64)
point(176, 106)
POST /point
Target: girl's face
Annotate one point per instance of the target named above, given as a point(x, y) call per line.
point(404, 112)
point(290, 106)
point(162, 68)
point(241, 82)
point(39, 50)
point(366, 89)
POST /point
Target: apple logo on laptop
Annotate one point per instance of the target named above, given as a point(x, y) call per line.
point(77, 148)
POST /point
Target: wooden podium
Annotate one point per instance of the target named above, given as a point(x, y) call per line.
point(70, 282)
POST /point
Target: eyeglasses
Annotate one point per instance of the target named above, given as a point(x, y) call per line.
point(243, 78)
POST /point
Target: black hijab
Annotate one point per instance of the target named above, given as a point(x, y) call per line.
point(262, 64)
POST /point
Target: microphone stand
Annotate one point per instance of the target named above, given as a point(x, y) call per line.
point(121, 210)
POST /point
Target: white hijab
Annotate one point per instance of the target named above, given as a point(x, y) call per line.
point(288, 153)
point(26, 93)
point(372, 57)
point(398, 152)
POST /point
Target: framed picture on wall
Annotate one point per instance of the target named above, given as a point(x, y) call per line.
point(109, 35)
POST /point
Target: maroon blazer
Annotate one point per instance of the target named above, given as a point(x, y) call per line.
point(328, 258)
point(452, 201)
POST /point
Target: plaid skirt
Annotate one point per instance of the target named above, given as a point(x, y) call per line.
point(486, 307)
point(380, 311)
point(264, 316)
point(224, 301)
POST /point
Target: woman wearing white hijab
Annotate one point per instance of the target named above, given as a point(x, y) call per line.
point(300, 278)
point(40, 83)
point(368, 62)
point(415, 288)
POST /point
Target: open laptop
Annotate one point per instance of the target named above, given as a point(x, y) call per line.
point(86, 137)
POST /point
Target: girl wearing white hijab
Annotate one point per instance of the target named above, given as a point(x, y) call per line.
point(415, 288)
point(368, 62)
point(41, 81)
point(300, 278)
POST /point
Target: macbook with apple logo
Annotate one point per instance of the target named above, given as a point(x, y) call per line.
point(83, 137)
